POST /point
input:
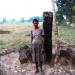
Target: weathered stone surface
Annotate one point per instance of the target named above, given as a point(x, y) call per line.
point(47, 26)
point(66, 56)
point(25, 54)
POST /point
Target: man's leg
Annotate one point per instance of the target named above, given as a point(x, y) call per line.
point(37, 70)
point(41, 66)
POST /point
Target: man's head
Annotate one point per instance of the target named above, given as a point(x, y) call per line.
point(35, 23)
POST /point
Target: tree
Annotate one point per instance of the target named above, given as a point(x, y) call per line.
point(59, 16)
point(55, 28)
point(4, 20)
point(65, 8)
point(31, 19)
point(22, 20)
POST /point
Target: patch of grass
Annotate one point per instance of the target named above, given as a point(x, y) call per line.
point(19, 38)
point(2, 42)
point(67, 33)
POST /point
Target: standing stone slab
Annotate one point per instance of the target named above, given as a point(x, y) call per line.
point(47, 26)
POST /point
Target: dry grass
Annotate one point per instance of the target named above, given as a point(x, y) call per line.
point(19, 36)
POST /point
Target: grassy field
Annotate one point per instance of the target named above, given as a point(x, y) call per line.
point(67, 33)
point(20, 35)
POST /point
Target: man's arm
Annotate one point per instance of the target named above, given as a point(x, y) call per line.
point(31, 37)
point(42, 41)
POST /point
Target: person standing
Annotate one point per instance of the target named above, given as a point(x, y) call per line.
point(37, 42)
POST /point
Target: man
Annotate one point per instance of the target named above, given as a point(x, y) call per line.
point(37, 45)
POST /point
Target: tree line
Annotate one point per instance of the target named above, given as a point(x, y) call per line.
point(65, 11)
point(21, 20)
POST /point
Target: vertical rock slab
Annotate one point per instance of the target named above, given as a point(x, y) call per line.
point(47, 26)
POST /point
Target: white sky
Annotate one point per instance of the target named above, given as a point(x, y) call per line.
point(23, 8)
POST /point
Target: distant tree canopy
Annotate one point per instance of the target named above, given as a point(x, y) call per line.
point(37, 17)
point(21, 20)
point(65, 8)
point(4, 19)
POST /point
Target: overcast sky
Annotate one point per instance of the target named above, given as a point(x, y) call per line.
point(23, 8)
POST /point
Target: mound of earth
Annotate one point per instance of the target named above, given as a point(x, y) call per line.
point(5, 32)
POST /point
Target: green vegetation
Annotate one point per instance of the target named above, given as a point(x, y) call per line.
point(65, 8)
point(2, 42)
point(67, 33)
point(20, 36)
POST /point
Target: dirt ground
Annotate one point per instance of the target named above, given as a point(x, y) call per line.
point(10, 65)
